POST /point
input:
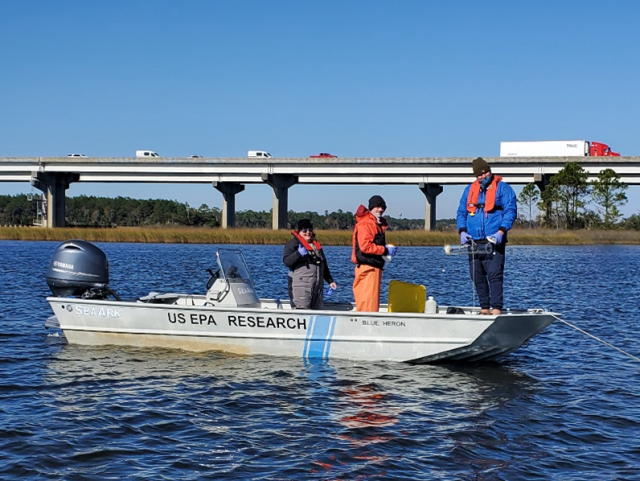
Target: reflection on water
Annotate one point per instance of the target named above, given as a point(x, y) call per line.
point(380, 408)
point(361, 414)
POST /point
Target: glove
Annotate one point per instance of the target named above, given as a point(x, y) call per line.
point(391, 250)
point(497, 237)
point(465, 238)
point(302, 251)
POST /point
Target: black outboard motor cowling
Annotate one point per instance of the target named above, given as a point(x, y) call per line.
point(78, 269)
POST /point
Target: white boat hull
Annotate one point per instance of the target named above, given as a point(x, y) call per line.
point(185, 322)
point(230, 317)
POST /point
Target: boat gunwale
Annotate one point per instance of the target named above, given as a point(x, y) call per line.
point(474, 314)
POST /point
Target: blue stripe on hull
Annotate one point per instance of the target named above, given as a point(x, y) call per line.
point(318, 342)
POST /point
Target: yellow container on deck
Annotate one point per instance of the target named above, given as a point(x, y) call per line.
point(406, 297)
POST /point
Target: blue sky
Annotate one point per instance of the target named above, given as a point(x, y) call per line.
point(354, 78)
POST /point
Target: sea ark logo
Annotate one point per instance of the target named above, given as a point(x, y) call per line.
point(89, 311)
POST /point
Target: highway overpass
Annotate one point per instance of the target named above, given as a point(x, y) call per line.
point(53, 175)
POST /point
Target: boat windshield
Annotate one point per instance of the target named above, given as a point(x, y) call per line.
point(233, 266)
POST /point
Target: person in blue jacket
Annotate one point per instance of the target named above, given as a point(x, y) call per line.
point(488, 208)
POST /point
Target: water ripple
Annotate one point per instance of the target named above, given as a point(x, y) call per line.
point(563, 407)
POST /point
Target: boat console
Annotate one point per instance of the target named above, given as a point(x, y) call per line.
point(231, 285)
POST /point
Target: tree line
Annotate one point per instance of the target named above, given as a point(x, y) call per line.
point(569, 201)
point(90, 211)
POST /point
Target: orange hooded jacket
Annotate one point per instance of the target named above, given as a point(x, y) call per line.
point(368, 239)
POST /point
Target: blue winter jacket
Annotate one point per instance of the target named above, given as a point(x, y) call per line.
point(480, 225)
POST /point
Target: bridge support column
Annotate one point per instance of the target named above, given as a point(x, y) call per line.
point(280, 184)
point(229, 191)
point(54, 186)
point(430, 191)
point(541, 181)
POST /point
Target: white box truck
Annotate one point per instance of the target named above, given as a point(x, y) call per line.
point(555, 148)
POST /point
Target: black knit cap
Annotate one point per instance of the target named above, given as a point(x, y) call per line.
point(480, 166)
point(377, 201)
point(303, 224)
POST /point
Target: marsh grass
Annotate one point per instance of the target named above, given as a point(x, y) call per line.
point(185, 235)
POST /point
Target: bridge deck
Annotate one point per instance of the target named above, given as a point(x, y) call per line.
point(401, 170)
point(228, 175)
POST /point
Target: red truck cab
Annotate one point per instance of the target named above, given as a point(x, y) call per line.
point(598, 149)
point(323, 155)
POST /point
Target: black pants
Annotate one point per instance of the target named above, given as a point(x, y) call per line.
point(487, 272)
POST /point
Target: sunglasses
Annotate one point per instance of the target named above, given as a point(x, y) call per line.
point(304, 231)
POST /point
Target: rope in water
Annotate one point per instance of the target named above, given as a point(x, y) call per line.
point(597, 338)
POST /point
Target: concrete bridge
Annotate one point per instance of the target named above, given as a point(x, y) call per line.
point(53, 175)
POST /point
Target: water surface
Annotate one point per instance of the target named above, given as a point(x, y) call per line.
point(562, 407)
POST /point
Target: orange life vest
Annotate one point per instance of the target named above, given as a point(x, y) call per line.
point(316, 245)
point(489, 196)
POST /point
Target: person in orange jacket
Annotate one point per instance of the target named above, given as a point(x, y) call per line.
point(369, 245)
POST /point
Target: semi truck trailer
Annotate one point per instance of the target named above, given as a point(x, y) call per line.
point(556, 148)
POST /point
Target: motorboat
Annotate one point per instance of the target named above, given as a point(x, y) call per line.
point(229, 316)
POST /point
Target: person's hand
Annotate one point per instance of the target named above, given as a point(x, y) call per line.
point(391, 250)
point(302, 251)
point(498, 237)
point(465, 238)
point(333, 286)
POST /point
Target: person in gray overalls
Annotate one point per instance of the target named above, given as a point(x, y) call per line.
point(308, 268)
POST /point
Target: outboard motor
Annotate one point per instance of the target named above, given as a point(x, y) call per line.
point(79, 269)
